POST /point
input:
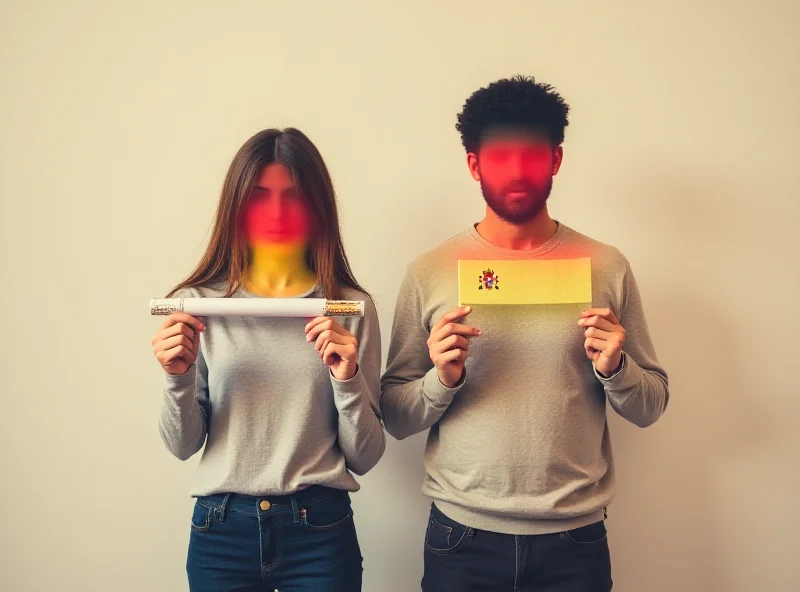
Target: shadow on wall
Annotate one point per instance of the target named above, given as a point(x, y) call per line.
point(392, 516)
point(666, 473)
point(668, 523)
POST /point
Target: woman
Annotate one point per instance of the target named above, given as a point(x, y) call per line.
point(287, 408)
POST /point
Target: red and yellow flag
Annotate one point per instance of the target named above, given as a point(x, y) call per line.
point(534, 281)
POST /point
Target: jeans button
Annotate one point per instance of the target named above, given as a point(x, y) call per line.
point(265, 505)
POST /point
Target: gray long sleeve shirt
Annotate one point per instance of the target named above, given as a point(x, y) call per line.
point(521, 445)
point(272, 417)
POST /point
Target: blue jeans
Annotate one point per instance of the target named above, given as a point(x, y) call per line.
point(301, 542)
point(463, 559)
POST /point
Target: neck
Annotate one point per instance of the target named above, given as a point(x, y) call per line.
point(520, 237)
point(279, 269)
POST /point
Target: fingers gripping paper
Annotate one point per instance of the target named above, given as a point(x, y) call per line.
point(550, 281)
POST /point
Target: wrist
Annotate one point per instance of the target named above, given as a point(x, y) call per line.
point(345, 374)
point(616, 370)
point(450, 385)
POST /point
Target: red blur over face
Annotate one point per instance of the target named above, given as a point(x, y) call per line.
point(515, 171)
point(275, 212)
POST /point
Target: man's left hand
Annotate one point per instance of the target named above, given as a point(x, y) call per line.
point(604, 339)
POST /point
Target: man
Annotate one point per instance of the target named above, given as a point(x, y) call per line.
point(518, 457)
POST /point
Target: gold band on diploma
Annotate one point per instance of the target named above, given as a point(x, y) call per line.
point(161, 308)
point(343, 308)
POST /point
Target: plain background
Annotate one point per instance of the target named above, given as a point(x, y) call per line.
point(120, 119)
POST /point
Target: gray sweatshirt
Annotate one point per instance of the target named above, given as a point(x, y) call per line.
point(521, 444)
point(273, 418)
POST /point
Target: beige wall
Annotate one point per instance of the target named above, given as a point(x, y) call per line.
point(118, 122)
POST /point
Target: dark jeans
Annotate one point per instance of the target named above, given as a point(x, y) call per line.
point(462, 559)
point(295, 543)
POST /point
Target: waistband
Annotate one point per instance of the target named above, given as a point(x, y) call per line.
point(273, 505)
point(503, 525)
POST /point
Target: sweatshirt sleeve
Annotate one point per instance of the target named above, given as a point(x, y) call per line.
point(185, 410)
point(361, 435)
point(412, 396)
point(639, 390)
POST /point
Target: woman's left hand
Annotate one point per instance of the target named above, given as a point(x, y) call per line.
point(336, 346)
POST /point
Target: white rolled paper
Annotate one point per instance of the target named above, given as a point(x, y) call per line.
point(258, 307)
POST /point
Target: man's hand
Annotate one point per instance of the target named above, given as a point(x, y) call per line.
point(448, 345)
point(604, 339)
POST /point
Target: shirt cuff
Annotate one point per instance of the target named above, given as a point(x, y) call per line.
point(434, 390)
point(180, 381)
point(629, 374)
point(355, 385)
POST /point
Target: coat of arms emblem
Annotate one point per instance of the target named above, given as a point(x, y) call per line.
point(489, 280)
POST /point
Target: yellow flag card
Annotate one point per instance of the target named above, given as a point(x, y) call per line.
point(534, 281)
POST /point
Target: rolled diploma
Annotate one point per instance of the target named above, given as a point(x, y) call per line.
point(257, 307)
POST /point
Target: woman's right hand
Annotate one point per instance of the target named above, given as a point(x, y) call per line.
point(177, 343)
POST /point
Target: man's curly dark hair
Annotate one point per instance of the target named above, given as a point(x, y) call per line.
point(518, 102)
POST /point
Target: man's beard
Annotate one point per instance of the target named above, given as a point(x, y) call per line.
point(522, 210)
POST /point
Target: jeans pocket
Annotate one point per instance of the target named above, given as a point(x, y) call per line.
point(444, 535)
point(591, 534)
point(328, 514)
point(201, 516)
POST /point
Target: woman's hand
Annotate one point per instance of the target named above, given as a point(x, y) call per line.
point(336, 346)
point(177, 343)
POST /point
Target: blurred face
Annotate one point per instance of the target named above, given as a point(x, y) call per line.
point(515, 171)
point(275, 212)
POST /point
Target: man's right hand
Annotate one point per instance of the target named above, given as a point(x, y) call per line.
point(177, 343)
point(448, 345)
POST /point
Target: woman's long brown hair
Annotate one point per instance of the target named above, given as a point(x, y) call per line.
point(226, 258)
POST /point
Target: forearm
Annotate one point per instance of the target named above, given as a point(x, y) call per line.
point(182, 423)
point(413, 406)
point(639, 390)
point(361, 436)
point(638, 395)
